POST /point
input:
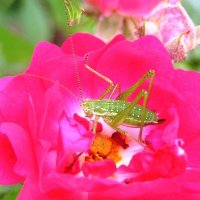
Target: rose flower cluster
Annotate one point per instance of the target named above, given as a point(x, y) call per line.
point(167, 20)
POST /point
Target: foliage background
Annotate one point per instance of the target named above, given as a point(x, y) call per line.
point(23, 23)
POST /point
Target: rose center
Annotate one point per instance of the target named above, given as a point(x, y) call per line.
point(106, 147)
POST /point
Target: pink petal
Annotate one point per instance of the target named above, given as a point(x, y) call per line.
point(187, 85)
point(4, 81)
point(46, 157)
point(106, 7)
point(88, 124)
point(82, 44)
point(101, 169)
point(129, 61)
point(125, 7)
point(179, 121)
point(7, 162)
point(158, 189)
point(72, 138)
point(136, 8)
point(18, 136)
point(74, 183)
point(54, 103)
point(14, 98)
point(31, 190)
point(78, 140)
point(56, 68)
point(160, 138)
point(166, 162)
point(44, 52)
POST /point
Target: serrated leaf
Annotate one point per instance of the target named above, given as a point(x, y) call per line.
point(73, 10)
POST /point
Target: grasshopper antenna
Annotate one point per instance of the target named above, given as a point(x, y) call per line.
point(68, 4)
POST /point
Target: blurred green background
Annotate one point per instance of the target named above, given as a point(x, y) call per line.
point(23, 23)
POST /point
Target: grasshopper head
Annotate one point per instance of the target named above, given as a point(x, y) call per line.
point(85, 105)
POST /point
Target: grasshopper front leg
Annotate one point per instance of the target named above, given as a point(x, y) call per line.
point(110, 89)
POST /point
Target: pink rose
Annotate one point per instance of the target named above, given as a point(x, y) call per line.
point(125, 7)
point(47, 143)
point(167, 20)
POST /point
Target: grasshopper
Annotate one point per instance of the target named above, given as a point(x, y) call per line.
point(119, 111)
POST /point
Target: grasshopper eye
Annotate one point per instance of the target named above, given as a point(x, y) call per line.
point(88, 113)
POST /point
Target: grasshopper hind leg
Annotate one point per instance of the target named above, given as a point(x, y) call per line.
point(121, 116)
point(145, 94)
point(123, 132)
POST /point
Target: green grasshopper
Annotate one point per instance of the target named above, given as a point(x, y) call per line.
point(116, 112)
point(119, 111)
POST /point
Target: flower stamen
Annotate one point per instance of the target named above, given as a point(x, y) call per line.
point(106, 147)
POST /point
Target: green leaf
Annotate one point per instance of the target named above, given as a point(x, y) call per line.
point(73, 10)
point(15, 52)
point(87, 24)
point(34, 21)
point(9, 192)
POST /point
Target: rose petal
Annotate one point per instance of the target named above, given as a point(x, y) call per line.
point(86, 41)
point(101, 169)
point(7, 163)
point(18, 136)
